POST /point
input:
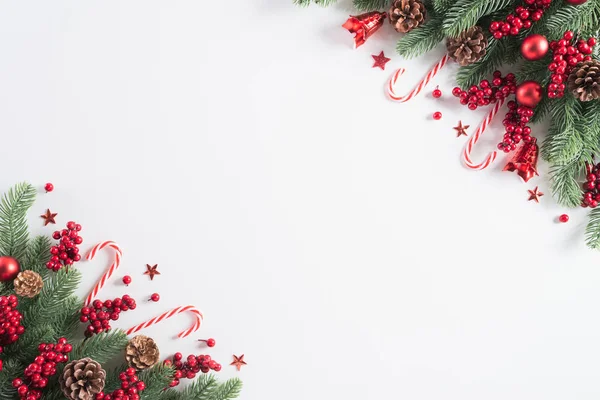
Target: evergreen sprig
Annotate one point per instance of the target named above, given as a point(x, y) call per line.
point(38, 254)
point(156, 379)
point(583, 17)
point(464, 14)
point(592, 231)
point(13, 220)
point(419, 41)
point(101, 347)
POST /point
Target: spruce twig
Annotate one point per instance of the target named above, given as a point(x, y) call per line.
point(13, 223)
point(101, 347)
point(419, 41)
point(464, 14)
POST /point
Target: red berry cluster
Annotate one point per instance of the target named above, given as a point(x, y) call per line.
point(567, 52)
point(130, 389)
point(523, 17)
point(43, 366)
point(66, 252)
point(487, 92)
point(192, 365)
point(101, 313)
point(10, 321)
point(516, 127)
point(591, 196)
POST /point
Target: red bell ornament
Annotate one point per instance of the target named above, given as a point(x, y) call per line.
point(9, 268)
point(529, 94)
point(525, 161)
point(534, 47)
point(364, 26)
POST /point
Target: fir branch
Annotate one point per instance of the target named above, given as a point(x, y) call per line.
point(420, 41)
point(565, 187)
point(441, 6)
point(494, 57)
point(13, 222)
point(101, 347)
point(535, 71)
point(592, 231)
point(26, 348)
point(542, 110)
point(38, 254)
point(228, 390)
point(47, 305)
point(464, 14)
point(306, 3)
point(204, 387)
point(112, 381)
point(10, 370)
point(66, 323)
point(370, 5)
point(156, 379)
point(585, 16)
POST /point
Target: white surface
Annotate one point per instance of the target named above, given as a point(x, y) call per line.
point(330, 235)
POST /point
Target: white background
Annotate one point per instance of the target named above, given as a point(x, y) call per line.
point(329, 234)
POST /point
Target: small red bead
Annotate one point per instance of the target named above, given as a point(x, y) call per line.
point(437, 93)
point(127, 279)
point(564, 218)
point(49, 187)
point(437, 115)
point(155, 297)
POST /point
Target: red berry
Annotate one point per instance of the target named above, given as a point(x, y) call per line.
point(437, 115)
point(127, 279)
point(564, 218)
point(437, 93)
point(49, 187)
point(155, 297)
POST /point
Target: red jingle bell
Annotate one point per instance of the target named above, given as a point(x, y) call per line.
point(525, 161)
point(529, 94)
point(534, 47)
point(9, 268)
point(364, 26)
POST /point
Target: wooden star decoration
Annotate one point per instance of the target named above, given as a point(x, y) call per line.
point(535, 194)
point(461, 130)
point(151, 271)
point(380, 60)
point(49, 217)
point(238, 362)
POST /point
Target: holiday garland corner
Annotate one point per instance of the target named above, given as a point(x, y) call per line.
point(551, 46)
point(43, 354)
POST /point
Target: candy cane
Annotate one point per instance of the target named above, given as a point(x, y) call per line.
point(117, 261)
point(198, 318)
point(491, 157)
point(402, 99)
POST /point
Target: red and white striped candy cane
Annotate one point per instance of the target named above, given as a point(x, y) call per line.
point(198, 318)
point(402, 99)
point(491, 157)
point(116, 262)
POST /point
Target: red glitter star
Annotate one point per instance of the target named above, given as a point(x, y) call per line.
point(238, 362)
point(535, 194)
point(380, 60)
point(49, 217)
point(151, 271)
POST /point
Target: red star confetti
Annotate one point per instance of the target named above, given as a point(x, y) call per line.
point(535, 194)
point(461, 130)
point(238, 362)
point(49, 217)
point(380, 60)
point(151, 271)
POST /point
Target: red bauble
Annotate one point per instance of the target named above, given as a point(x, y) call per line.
point(575, 2)
point(9, 268)
point(529, 94)
point(534, 47)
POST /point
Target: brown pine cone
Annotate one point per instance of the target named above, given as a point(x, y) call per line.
point(584, 81)
point(82, 379)
point(142, 352)
point(28, 284)
point(407, 14)
point(468, 47)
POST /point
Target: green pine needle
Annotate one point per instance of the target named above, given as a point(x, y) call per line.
point(370, 5)
point(13, 223)
point(306, 3)
point(419, 41)
point(464, 14)
point(228, 390)
point(592, 231)
point(583, 17)
point(38, 254)
point(102, 347)
point(156, 379)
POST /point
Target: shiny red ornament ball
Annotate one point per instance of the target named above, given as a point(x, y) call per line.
point(437, 93)
point(437, 115)
point(529, 94)
point(575, 2)
point(126, 279)
point(564, 218)
point(49, 187)
point(155, 297)
point(534, 47)
point(9, 268)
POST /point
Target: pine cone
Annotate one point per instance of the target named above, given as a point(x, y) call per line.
point(407, 14)
point(468, 47)
point(584, 81)
point(82, 379)
point(142, 352)
point(28, 284)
